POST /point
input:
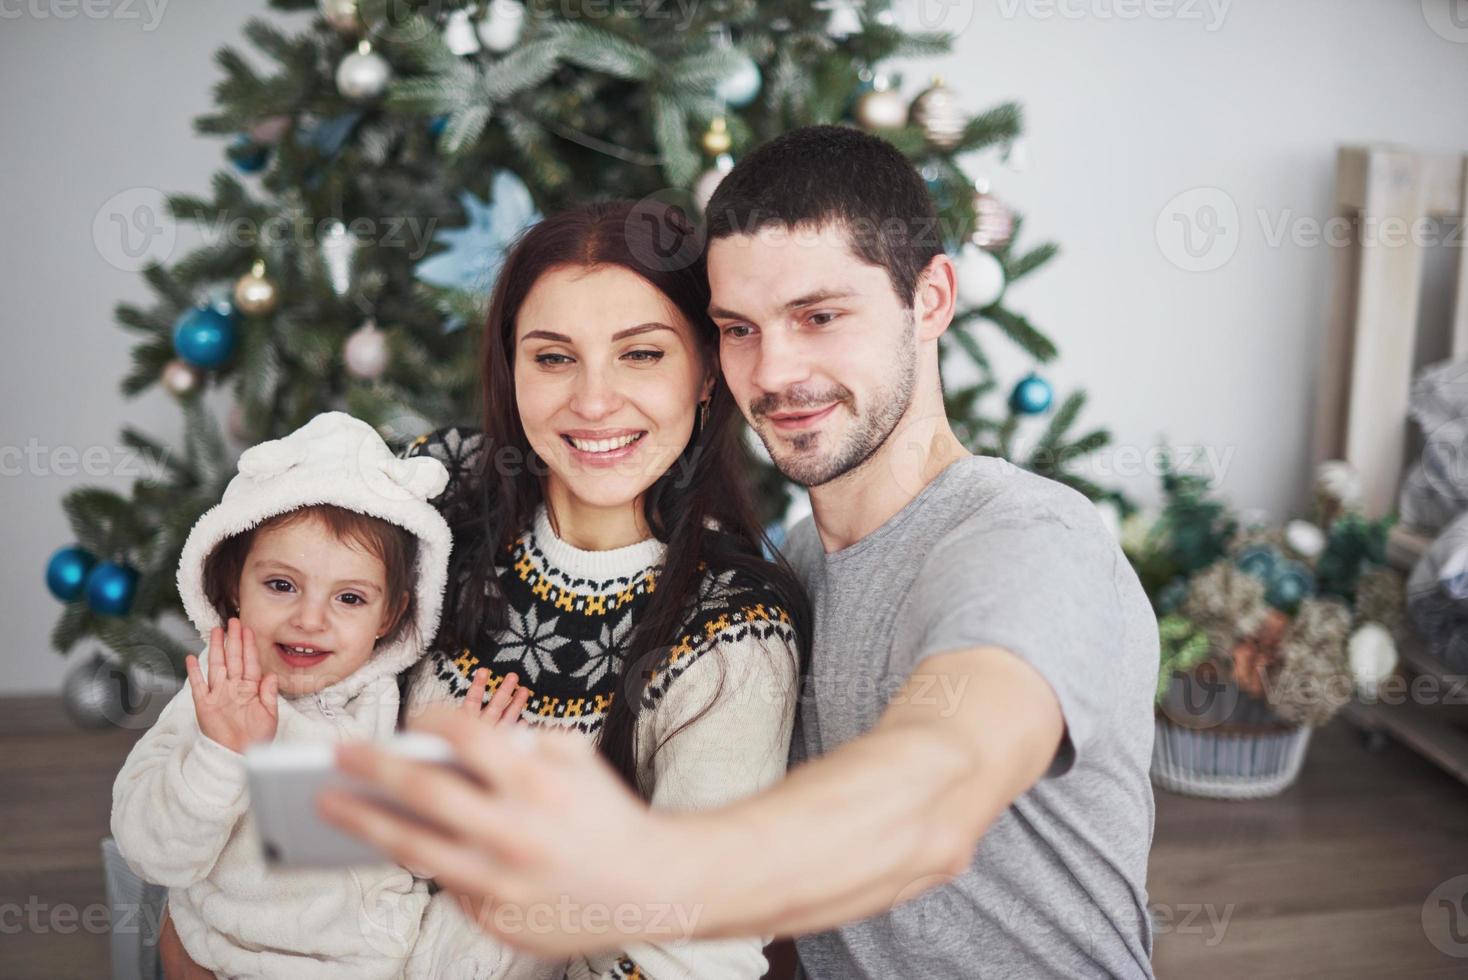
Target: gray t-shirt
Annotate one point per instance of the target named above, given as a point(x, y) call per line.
point(992, 555)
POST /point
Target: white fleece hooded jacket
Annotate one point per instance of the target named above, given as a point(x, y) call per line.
point(179, 805)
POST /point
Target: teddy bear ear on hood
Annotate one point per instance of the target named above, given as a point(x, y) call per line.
point(339, 460)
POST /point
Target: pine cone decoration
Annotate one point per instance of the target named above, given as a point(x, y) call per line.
point(1314, 679)
point(1225, 603)
point(1381, 598)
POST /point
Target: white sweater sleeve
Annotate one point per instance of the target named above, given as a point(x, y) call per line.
point(738, 701)
point(177, 799)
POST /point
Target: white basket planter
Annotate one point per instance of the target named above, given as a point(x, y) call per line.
point(1213, 740)
point(1224, 764)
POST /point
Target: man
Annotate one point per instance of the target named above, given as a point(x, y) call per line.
point(970, 796)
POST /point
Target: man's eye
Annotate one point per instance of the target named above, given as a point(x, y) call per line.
point(821, 319)
point(738, 330)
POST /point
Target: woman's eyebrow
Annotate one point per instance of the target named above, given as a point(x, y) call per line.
point(558, 338)
point(640, 328)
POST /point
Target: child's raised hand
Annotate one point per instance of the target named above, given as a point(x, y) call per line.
point(503, 708)
point(234, 706)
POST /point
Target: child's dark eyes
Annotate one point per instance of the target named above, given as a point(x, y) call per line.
point(270, 584)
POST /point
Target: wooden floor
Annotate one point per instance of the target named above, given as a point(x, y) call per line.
point(1328, 880)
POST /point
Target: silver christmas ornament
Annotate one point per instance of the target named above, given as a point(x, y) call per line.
point(366, 353)
point(97, 693)
point(502, 25)
point(980, 277)
point(363, 75)
point(710, 179)
point(844, 20)
point(458, 34)
point(937, 113)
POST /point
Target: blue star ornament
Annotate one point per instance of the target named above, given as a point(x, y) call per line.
point(473, 254)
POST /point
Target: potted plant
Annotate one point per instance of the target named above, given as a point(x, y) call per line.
point(1264, 632)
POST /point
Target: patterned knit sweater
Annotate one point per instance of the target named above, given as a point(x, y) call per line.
point(570, 613)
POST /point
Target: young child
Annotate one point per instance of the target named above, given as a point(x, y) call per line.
point(317, 580)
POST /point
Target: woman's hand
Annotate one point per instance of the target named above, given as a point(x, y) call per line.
point(547, 847)
point(234, 706)
point(504, 706)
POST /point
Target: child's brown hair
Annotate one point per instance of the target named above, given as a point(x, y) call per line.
point(395, 547)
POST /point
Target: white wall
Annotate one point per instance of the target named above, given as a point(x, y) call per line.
point(1123, 114)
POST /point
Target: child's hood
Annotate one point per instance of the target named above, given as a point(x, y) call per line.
point(341, 460)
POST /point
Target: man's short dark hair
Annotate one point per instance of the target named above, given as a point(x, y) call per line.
point(835, 174)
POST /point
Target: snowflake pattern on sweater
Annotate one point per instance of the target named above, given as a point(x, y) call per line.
point(568, 628)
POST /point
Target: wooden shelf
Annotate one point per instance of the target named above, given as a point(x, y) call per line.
point(1437, 731)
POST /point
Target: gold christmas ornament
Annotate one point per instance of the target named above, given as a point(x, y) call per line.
point(254, 294)
point(717, 140)
point(180, 379)
point(342, 15)
point(937, 113)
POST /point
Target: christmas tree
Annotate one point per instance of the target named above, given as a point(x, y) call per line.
point(376, 174)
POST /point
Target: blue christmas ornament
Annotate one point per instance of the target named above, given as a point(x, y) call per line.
point(740, 87)
point(475, 252)
point(1291, 584)
point(66, 572)
point(110, 588)
point(248, 156)
point(1031, 396)
point(205, 336)
point(1260, 561)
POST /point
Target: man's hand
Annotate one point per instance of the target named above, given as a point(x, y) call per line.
point(551, 850)
point(234, 706)
point(564, 859)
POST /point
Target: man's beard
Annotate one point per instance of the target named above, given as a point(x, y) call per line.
point(801, 463)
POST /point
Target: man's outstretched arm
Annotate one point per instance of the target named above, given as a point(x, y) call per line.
point(550, 830)
point(889, 814)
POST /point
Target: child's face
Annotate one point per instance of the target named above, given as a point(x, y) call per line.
point(303, 588)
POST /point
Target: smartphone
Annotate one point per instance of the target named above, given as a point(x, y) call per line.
point(284, 780)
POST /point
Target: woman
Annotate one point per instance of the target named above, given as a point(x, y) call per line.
point(606, 554)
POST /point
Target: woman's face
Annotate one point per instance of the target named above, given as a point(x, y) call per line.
point(608, 378)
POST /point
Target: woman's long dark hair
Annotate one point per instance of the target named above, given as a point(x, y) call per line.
point(708, 481)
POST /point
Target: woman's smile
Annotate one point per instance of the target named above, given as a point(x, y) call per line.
point(605, 447)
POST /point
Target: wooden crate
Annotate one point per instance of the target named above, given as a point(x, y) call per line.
point(1366, 375)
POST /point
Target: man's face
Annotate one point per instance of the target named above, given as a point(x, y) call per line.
point(814, 345)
